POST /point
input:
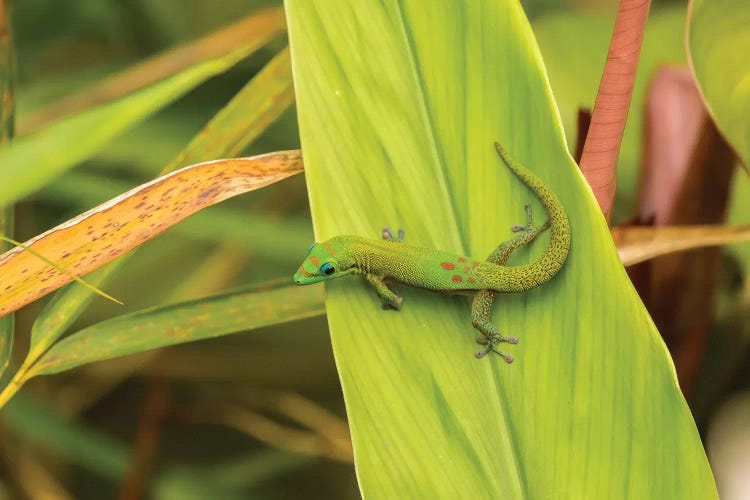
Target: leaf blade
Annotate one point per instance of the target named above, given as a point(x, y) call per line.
point(718, 43)
point(252, 307)
point(408, 140)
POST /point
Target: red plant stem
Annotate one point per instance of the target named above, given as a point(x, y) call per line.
point(599, 159)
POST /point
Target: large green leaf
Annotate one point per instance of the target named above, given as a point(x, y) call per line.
point(398, 107)
point(719, 42)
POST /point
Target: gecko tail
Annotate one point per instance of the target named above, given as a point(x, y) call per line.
point(531, 275)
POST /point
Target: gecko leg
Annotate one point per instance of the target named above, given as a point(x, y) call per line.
point(522, 227)
point(481, 306)
point(389, 298)
point(388, 234)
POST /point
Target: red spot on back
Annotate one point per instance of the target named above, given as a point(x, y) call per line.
point(474, 264)
point(457, 278)
point(328, 247)
point(466, 269)
point(314, 261)
point(462, 259)
point(450, 266)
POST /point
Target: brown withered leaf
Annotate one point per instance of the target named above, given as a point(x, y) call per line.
point(640, 243)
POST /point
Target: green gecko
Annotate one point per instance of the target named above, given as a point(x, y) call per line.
point(390, 259)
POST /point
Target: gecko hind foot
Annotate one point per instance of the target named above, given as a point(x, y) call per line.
point(529, 226)
point(506, 357)
point(491, 343)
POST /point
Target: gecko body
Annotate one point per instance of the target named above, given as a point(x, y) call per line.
point(380, 261)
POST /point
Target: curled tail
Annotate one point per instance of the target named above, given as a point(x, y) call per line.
point(520, 278)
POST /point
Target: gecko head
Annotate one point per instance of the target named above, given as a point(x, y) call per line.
point(324, 261)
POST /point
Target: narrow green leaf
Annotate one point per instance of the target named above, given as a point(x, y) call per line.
point(226, 480)
point(719, 42)
point(247, 309)
point(72, 140)
point(252, 32)
point(7, 130)
point(398, 107)
point(62, 311)
point(260, 102)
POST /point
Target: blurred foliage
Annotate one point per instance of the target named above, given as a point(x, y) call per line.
point(575, 62)
point(85, 42)
point(80, 434)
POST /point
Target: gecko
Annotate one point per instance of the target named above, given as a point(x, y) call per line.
point(390, 259)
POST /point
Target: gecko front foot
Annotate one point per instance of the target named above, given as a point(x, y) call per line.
point(390, 299)
point(388, 234)
point(395, 303)
point(491, 343)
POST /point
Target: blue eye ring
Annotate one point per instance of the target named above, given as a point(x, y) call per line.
point(311, 247)
point(327, 269)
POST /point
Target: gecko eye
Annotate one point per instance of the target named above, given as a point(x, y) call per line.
point(327, 269)
point(311, 247)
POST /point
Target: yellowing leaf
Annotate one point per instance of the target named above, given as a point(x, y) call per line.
point(100, 235)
